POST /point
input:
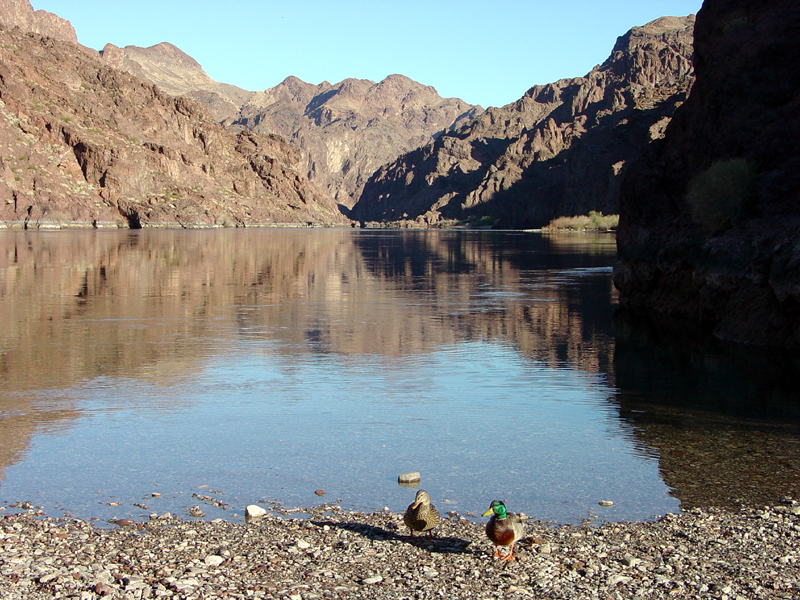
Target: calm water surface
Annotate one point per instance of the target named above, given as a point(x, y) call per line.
point(258, 366)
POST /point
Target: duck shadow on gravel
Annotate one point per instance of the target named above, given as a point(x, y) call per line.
point(438, 545)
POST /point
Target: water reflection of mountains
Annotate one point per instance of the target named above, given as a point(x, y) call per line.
point(153, 305)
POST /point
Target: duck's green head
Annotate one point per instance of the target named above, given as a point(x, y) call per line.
point(498, 508)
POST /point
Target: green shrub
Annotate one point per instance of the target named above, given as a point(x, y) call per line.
point(595, 221)
point(717, 196)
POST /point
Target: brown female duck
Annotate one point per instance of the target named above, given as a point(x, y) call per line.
point(421, 515)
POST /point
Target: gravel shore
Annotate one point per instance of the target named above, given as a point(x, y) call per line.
point(746, 554)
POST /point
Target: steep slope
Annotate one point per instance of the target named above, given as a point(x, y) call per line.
point(83, 144)
point(559, 150)
point(178, 74)
point(710, 217)
point(347, 130)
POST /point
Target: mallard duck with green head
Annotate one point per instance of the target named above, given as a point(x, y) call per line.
point(504, 528)
point(421, 515)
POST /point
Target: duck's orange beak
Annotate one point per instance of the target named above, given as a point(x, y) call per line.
point(488, 512)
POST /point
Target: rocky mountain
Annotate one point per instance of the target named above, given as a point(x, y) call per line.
point(344, 131)
point(709, 228)
point(178, 74)
point(83, 144)
point(20, 13)
point(347, 130)
point(560, 150)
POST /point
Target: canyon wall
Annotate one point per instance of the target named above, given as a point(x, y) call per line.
point(561, 150)
point(86, 145)
point(709, 226)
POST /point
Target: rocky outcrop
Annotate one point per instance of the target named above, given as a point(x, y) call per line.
point(20, 13)
point(345, 131)
point(710, 218)
point(83, 144)
point(178, 74)
point(560, 150)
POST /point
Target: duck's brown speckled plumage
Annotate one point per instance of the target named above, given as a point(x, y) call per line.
point(421, 515)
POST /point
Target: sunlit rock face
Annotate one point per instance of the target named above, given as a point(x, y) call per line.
point(178, 74)
point(20, 13)
point(346, 130)
point(561, 150)
point(710, 217)
point(86, 145)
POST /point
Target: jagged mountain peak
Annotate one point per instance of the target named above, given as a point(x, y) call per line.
point(560, 150)
point(164, 53)
point(20, 13)
point(348, 129)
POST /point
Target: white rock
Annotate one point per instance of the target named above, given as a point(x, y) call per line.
point(371, 580)
point(606, 503)
point(254, 511)
point(303, 545)
point(615, 579)
point(214, 560)
point(630, 561)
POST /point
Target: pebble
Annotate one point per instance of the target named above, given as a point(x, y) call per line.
point(752, 553)
point(254, 511)
point(213, 561)
point(413, 477)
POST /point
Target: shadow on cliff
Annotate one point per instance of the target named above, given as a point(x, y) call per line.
point(584, 177)
point(377, 202)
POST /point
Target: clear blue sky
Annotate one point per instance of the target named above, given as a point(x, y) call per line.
point(486, 53)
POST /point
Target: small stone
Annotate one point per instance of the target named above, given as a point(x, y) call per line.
point(303, 545)
point(617, 579)
point(606, 503)
point(156, 495)
point(195, 511)
point(545, 548)
point(213, 560)
point(630, 561)
point(319, 492)
point(122, 522)
point(372, 580)
point(413, 477)
point(103, 589)
point(254, 511)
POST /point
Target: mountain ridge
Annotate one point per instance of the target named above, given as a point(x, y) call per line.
point(528, 162)
point(83, 144)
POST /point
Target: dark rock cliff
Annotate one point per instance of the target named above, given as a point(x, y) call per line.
point(560, 150)
point(710, 218)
